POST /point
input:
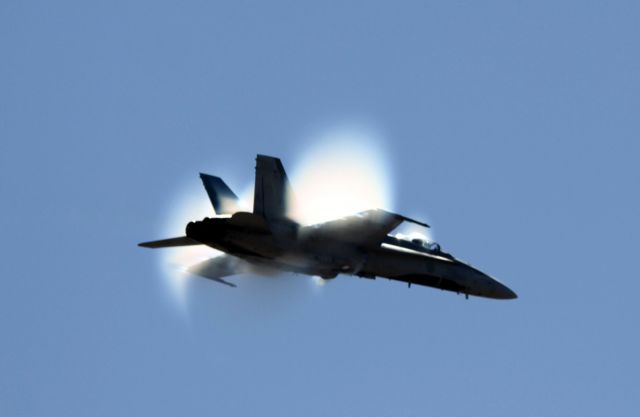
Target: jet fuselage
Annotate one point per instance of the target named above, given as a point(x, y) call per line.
point(360, 244)
point(300, 249)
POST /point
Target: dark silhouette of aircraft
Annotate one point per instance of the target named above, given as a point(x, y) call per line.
point(361, 244)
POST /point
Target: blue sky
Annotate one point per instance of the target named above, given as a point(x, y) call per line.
point(512, 128)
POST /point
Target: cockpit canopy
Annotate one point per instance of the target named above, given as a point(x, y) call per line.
point(430, 246)
point(419, 242)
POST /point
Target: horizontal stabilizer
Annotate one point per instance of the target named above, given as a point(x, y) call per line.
point(224, 200)
point(216, 269)
point(169, 243)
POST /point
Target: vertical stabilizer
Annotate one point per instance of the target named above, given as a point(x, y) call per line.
point(224, 201)
point(272, 188)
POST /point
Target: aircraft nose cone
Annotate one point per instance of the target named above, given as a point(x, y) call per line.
point(504, 293)
point(491, 287)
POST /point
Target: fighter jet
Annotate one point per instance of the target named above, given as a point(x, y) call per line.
point(361, 245)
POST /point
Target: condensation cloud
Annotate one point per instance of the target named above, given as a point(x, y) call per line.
point(342, 171)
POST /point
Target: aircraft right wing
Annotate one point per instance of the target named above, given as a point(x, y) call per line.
point(368, 228)
point(216, 269)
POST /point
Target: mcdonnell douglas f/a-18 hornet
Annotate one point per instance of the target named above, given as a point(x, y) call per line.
point(361, 244)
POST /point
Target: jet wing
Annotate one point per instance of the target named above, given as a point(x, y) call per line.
point(169, 243)
point(367, 228)
point(216, 269)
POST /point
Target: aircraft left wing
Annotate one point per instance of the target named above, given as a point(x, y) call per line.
point(368, 228)
point(170, 243)
point(216, 269)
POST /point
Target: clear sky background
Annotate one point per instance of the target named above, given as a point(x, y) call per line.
point(512, 128)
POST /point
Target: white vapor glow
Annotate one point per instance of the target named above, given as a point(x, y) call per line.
point(318, 282)
point(193, 205)
point(344, 172)
point(341, 173)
